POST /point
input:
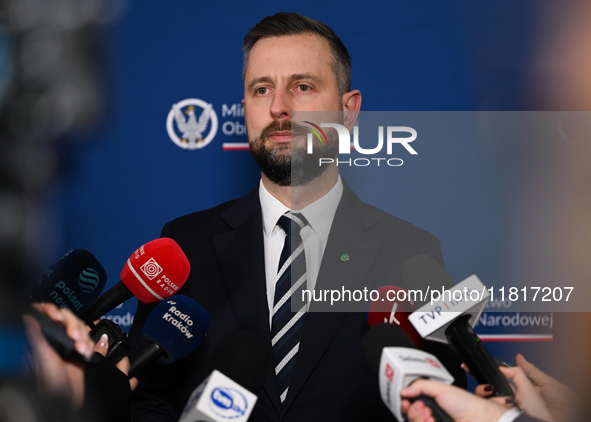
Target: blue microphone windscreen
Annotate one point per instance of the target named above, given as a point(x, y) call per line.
point(178, 324)
point(73, 282)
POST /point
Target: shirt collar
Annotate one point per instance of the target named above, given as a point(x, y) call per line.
point(319, 213)
point(272, 209)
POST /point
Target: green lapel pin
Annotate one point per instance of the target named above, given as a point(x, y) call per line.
point(344, 257)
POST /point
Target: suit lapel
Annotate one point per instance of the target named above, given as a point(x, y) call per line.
point(241, 257)
point(346, 237)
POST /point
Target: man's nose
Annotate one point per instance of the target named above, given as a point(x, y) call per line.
point(280, 106)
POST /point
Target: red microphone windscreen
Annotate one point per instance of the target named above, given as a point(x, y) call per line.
point(156, 271)
point(394, 306)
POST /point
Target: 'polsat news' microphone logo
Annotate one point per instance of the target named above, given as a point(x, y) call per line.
point(345, 144)
point(88, 280)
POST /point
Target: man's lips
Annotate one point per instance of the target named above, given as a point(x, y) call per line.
point(280, 136)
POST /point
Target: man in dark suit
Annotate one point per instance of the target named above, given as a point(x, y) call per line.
point(292, 63)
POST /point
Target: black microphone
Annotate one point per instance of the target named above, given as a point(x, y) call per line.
point(56, 336)
point(392, 355)
point(424, 273)
point(237, 371)
point(394, 305)
point(173, 330)
point(73, 282)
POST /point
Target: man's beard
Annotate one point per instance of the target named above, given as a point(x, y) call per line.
point(286, 164)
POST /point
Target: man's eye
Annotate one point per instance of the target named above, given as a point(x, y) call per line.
point(261, 90)
point(304, 88)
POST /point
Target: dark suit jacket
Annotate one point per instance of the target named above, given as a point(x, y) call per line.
point(331, 379)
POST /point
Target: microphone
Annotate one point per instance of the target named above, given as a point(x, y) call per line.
point(173, 330)
point(392, 355)
point(451, 318)
point(56, 336)
point(74, 281)
point(238, 370)
point(154, 272)
point(394, 305)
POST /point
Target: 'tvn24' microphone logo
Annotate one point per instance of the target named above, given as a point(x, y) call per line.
point(345, 144)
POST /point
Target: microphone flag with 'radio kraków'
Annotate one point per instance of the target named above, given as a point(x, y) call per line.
point(173, 330)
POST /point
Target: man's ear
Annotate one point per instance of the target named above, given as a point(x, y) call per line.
point(351, 105)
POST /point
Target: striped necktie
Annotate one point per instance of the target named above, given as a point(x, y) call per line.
point(287, 326)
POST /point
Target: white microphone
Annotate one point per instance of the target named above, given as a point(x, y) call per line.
point(218, 398)
point(238, 371)
point(451, 315)
point(390, 352)
point(466, 299)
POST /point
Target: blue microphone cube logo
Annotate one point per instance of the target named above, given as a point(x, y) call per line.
point(151, 268)
point(88, 280)
point(228, 403)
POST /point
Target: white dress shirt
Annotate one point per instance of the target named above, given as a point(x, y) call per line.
point(319, 214)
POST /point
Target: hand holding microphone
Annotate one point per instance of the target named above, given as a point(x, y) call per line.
point(92, 385)
point(451, 321)
point(538, 394)
point(561, 400)
point(155, 271)
point(463, 406)
point(459, 404)
point(392, 355)
point(55, 375)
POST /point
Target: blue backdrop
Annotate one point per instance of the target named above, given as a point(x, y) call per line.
point(128, 178)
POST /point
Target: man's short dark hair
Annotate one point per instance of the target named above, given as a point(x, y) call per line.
point(283, 24)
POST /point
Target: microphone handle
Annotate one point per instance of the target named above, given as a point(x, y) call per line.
point(480, 362)
point(57, 337)
point(438, 413)
point(112, 298)
point(148, 355)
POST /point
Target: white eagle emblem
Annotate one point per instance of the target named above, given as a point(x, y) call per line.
point(191, 127)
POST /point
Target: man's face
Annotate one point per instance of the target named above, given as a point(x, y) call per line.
point(286, 74)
